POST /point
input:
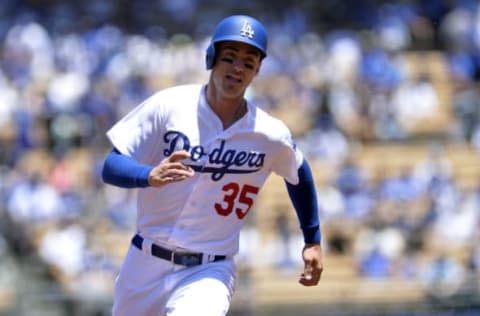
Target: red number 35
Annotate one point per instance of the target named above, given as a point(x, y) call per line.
point(244, 195)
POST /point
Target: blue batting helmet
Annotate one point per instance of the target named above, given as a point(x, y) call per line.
point(238, 28)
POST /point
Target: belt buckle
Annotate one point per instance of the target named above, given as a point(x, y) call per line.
point(186, 259)
point(190, 260)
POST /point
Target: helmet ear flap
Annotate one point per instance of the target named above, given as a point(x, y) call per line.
point(210, 56)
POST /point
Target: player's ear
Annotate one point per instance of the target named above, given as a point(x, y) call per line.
point(258, 68)
point(260, 61)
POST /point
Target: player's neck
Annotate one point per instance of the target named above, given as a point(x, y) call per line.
point(228, 110)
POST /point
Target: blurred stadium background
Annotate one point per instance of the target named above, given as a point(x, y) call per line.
point(382, 96)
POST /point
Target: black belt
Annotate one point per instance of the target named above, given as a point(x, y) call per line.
point(184, 259)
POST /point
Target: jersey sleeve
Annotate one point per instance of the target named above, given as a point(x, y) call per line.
point(132, 135)
point(288, 158)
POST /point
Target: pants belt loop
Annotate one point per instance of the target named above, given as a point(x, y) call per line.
point(207, 258)
point(147, 246)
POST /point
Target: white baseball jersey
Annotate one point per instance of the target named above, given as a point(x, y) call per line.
point(203, 213)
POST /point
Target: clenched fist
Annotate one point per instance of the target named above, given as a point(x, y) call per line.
point(312, 257)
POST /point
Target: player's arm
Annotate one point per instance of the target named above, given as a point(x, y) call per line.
point(124, 171)
point(304, 199)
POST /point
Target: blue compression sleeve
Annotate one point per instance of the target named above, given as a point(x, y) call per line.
point(304, 199)
point(125, 172)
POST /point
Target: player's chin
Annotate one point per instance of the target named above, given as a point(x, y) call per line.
point(235, 90)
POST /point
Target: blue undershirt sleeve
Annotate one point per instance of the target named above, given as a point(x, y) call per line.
point(123, 171)
point(304, 200)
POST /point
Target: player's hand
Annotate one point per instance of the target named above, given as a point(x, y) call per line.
point(312, 257)
point(171, 169)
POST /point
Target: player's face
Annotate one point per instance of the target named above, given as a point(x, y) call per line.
point(236, 66)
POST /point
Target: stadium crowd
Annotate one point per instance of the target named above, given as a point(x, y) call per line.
point(68, 70)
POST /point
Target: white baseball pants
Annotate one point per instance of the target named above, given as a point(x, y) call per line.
point(151, 286)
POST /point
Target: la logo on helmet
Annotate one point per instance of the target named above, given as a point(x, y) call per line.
point(247, 30)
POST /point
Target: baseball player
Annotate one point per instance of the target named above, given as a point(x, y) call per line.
point(199, 155)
